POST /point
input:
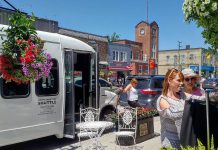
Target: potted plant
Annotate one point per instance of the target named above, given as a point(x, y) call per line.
point(145, 123)
point(23, 59)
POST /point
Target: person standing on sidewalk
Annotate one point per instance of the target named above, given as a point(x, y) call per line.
point(188, 132)
point(132, 93)
point(170, 106)
point(194, 117)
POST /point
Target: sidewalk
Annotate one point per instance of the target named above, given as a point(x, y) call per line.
point(108, 140)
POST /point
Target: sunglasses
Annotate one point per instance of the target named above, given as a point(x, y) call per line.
point(188, 79)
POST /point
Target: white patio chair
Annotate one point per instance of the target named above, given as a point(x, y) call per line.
point(87, 115)
point(127, 125)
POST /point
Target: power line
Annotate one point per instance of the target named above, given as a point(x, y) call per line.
point(11, 5)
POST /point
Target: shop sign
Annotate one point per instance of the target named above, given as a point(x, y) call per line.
point(194, 67)
point(151, 63)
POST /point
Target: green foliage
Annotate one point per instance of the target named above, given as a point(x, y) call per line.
point(205, 14)
point(114, 37)
point(199, 147)
point(23, 58)
point(142, 113)
point(20, 27)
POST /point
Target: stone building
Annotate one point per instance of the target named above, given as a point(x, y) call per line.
point(194, 58)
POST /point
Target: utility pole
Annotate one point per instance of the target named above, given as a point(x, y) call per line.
point(147, 11)
point(179, 46)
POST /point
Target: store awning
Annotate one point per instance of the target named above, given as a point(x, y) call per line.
point(124, 68)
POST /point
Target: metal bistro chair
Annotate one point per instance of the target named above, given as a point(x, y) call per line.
point(87, 115)
point(127, 125)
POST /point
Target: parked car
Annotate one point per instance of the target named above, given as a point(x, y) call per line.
point(149, 89)
point(108, 99)
point(210, 83)
point(102, 82)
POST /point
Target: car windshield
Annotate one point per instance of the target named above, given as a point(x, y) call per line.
point(142, 83)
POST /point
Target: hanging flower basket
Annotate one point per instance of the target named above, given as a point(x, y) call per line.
point(23, 58)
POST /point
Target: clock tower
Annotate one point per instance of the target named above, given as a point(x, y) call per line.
point(148, 35)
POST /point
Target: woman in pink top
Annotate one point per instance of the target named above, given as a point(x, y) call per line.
point(191, 128)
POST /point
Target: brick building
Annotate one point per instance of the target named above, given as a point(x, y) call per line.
point(148, 35)
point(138, 62)
point(119, 61)
point(40, 24)
point(101, 41)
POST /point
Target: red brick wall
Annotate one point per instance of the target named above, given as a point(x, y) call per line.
point(144, 39)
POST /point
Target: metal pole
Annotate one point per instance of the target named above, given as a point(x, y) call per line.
point(149, 66)
point(147, 11)
point(97, 77)
point(207, 118)
point(179, 45)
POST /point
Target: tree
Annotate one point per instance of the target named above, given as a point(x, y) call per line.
point(205, 14)
point(114, 37)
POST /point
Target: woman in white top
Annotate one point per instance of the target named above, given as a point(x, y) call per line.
point(132, 93)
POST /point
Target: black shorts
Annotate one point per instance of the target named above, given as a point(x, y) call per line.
point(134, 104)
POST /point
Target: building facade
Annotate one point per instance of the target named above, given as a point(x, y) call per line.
point(40, 24)
point(119, 61)
point(138, 62)
point(100, 42)
point(194, 58)
point(148, 35)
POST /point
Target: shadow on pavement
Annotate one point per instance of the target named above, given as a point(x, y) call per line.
point(47, 143)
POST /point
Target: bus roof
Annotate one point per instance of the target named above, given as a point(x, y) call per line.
point(66, 41)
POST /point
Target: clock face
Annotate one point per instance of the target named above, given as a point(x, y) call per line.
point(142, 31)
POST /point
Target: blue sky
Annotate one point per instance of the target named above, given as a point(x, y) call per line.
point(103, 17)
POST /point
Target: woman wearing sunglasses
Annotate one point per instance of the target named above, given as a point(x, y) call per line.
point(170, 106)
point(192, 123)
point(190, 82)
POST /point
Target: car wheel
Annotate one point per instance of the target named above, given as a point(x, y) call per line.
point(108, 115)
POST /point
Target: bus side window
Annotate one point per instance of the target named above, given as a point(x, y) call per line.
point(13, 90)
point(49, 85)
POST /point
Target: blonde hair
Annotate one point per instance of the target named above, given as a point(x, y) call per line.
point(134, 81)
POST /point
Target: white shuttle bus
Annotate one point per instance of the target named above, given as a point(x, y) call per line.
point(49, 106)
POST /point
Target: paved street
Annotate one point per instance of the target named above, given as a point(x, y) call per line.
point(52, 143)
